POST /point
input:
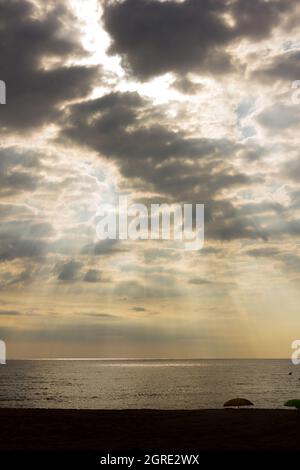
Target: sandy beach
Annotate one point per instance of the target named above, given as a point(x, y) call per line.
point(149, 430)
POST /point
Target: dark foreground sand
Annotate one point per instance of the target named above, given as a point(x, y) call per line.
point(147, 430)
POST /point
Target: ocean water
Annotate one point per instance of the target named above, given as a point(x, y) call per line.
point(163, 384)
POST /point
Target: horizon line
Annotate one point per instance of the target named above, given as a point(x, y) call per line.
point(146, 358)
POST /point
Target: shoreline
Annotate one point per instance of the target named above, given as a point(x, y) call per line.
point(35, 429)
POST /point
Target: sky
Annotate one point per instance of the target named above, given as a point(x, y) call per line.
point(170, 102)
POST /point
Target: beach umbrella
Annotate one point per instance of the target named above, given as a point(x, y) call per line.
point(293, 404)
point(238, 402)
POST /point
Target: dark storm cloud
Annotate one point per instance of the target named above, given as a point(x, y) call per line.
point(225, 227)
point(292, 228)
point(41, 230)
point(253, 153)
point(157, 158)
point(262, 207)
point(25, 229)
point(154, 37)
point(295, 195)
point(29, 37)
point(116, 126)
point(284, 67)
point(92, 275)
point(104, 316)
point(279, 117)
point(23, 238)
point(103, 247)
point(16, 171)
point(291, 169)
point(266, 252)
point(210, 250)
point(10, 313)
point(199, 281)
point(19, 279)
point(11, 249)
point(10, 183)
point(186, 86)
point(69, 271)
point(291, 262)
point(106, 124)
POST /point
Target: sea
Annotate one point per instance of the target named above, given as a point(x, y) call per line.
point(151, 384)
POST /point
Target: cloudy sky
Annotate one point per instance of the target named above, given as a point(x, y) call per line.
point(164, 101)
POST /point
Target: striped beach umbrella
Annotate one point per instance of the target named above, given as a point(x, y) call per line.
point(237, 402)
